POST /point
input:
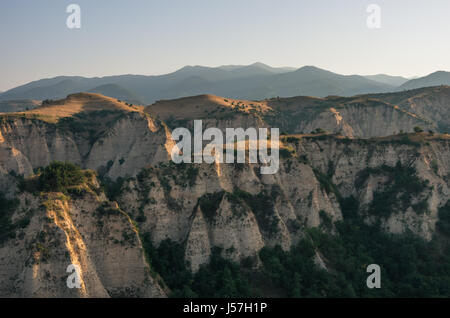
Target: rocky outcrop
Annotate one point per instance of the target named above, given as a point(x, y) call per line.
point(234, 207)
point(354, 117)
point(399, 181)
point(430, 103)
point(363, 168)
point(230, 206)
point(87, 232)
point(134, 139)
point(130, 143)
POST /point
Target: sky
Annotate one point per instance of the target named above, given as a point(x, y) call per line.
point(160, 36)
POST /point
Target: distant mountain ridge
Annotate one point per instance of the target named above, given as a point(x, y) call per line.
point(17, 105)
point(118, 92)
point(388, 79)
point(433, 79)
point(255, 81)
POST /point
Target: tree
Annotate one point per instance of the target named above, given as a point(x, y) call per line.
point(418, 129)
point(318, 131)
point(60, 175)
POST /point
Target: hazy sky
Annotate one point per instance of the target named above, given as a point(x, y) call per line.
point(160, 36)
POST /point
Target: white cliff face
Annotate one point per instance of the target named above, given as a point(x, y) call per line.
point(135, 140)
point(430, 103)
point(430, 161)
point(356, 117)
point(378, 121)
point(277, 208)
point(132, 142)
point(352, 120)
point(65, 231)
point(273, 212)
point(169, 196)
point(245, 212)
point(27, 144)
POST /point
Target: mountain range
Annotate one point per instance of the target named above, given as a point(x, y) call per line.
point(255, 81)
point(433, 79)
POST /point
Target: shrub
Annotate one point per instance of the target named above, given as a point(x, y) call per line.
point(106, 209)
point(7, 228)
point(286, 153)
point(326, 220)
point(444, 219)
point(292, 139)
point(318, 131)
point(111, 188)
point(326, 183)
point(60, 175)
point(418, 129)
point(209, 203)
point(168, 261)
point(263, 209)
point(402, 186)
point(434, 166)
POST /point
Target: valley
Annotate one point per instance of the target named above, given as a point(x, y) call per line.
point(140, 225)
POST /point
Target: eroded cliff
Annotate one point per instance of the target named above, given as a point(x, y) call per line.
point(400, 182)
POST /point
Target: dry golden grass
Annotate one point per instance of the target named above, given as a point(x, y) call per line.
point(201, 105)
point(74, 104)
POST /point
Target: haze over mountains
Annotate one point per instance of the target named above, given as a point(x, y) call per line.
point(387, 79)
point(7, 106)
point(433, 79)
point(255, 81)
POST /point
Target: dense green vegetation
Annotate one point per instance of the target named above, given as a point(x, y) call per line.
point(58, 176)
point(262, 206)
point(444, 219)
point(7, 227)
point(411, 267)
point(209, 203)
point(168, 261)
point(221, 278)
point(112, 188)
point(401, 187)
point(286, 153)
point(325, 181)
